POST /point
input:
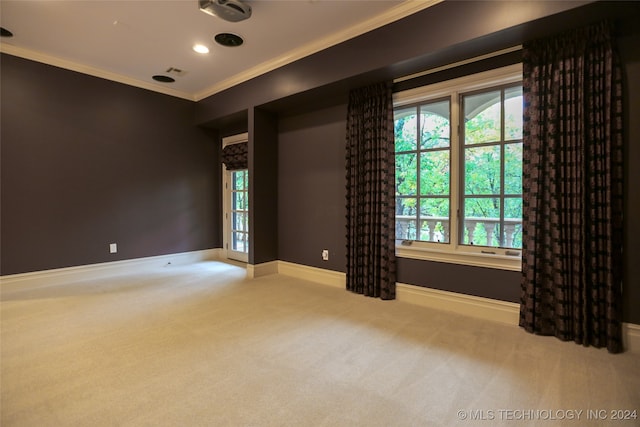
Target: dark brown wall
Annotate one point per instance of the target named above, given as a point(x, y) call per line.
point(263, 186)
point(630, 52)
point(312, 202)
point(465, 279)
point(311, 188)
point(87, 162)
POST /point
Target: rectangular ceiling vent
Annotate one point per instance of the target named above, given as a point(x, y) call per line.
point(176, 71)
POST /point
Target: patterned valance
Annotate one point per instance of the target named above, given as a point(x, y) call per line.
point(235, 157)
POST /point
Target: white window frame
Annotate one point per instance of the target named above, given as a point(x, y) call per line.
point(454, 252)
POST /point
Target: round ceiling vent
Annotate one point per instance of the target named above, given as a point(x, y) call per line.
point(228, 39)
point(163, 79)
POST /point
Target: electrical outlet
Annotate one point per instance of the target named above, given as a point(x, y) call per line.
point(325, 254)
point(113, 248)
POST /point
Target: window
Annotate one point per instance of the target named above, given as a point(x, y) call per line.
point(458, 148)
point(492, 190)
point(423, 153)
point(240, 211)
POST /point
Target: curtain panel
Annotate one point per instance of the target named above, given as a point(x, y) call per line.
point(572, 188)
point(370, 182)
point(235, 156)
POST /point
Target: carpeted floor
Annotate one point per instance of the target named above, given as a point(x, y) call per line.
point(200, 345)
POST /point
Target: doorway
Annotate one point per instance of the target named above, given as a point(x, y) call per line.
point(236, 195)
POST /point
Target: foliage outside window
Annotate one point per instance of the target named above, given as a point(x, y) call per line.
point(240, 210)
point(458, 151)
point(492, 191)
point(422, 144)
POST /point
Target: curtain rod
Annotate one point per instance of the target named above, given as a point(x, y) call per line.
point(459, 63)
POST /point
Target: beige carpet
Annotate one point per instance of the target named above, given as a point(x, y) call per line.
point(200, 345)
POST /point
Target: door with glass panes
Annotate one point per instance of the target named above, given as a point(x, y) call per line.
point(237, 214)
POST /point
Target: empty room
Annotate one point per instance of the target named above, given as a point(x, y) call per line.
point(319, 213)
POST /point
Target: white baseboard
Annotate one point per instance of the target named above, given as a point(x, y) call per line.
point(631, 337)
point(477, 307)
point(314, 274)
point(483, 308)
point(468, 305)
point(106, 269)
point(263, 269)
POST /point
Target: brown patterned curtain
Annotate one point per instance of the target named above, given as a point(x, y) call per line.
point(370, 192)
point(572, 179)
point(235, 156)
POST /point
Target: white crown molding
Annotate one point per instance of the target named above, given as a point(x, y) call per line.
point(396, 13)
point(85, 69)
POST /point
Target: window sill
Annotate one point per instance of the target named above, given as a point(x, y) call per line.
point(501, 262)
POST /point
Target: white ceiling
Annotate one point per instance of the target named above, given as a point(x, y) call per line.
point(131, 40)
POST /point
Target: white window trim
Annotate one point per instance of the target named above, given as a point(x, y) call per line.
point(497, 261)
point(235, 139)
point(453, 252)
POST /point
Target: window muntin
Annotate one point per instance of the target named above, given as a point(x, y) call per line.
point(443, 241)
point(423, 151)
point(491, 140)
point(240, 211)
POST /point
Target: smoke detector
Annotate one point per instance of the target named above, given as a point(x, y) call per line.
point(229, 10)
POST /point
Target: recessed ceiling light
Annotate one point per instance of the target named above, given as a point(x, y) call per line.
point(163, 79)
point(228, 39)
point(5, 33)
point(200, 48)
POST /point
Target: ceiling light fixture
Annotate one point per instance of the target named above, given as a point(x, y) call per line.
point(228, 39)
point(200, 48)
